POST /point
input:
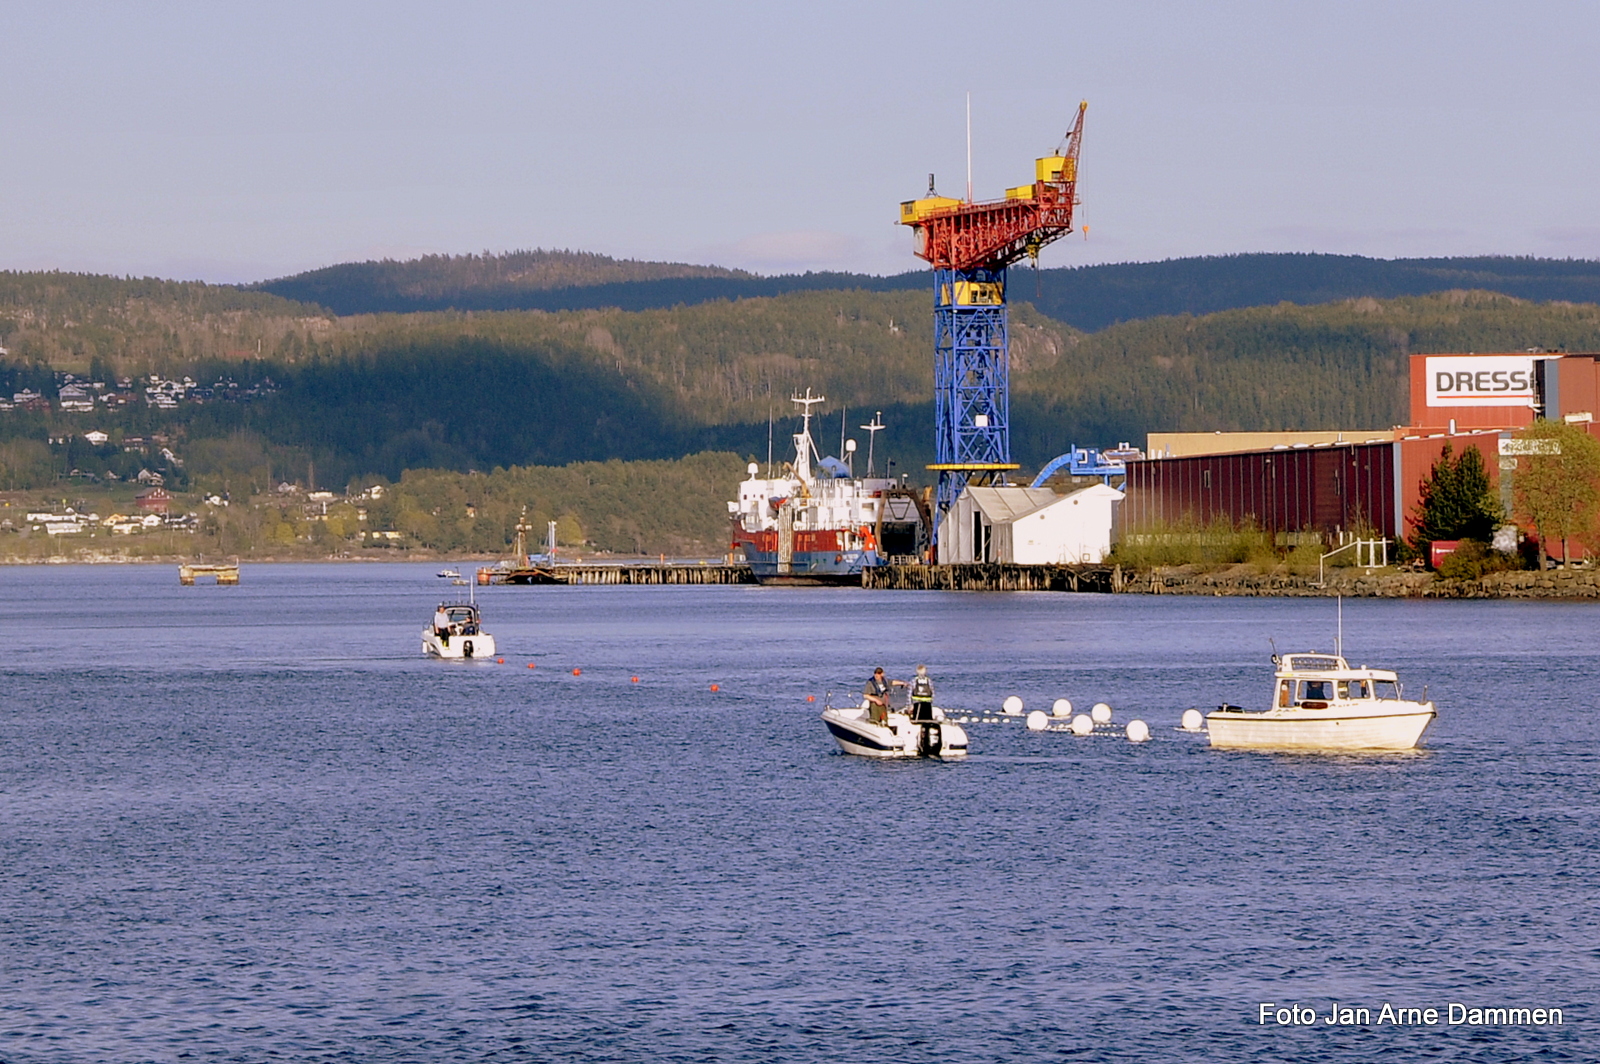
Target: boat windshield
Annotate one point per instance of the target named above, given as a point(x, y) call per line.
point(1316, 691)
point(1386, 689)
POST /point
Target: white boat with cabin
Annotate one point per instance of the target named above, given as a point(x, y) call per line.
point(900, 736)
point(457, 632)
point(1320, 703)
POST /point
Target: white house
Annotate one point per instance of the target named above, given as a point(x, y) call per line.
point(75, 397)
point(1030, 526)
point(96, 437)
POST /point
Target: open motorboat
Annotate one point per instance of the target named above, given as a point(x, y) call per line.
point(1320, 703)
point(457, 632)
point(449, 574)
point(900, 736)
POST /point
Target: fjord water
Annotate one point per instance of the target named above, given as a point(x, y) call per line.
point(253, 823)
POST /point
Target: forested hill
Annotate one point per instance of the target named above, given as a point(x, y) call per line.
point(517, 280)
point(1087, 297)
point(380, 395)
point(1093, 297)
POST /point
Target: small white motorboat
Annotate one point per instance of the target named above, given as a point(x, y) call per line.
point(899, 736)
point(457, 632)
point(449, 574)
point(1320, 703)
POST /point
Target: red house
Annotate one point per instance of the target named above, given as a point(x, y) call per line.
point(155, 500)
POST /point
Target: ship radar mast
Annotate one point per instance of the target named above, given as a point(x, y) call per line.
point(872, 430)
point(803, 445)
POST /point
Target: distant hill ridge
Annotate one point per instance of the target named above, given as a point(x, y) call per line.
point(474, 282)
point(1086, 297)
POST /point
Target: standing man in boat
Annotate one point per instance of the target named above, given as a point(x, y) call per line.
point(877, 695)
point(921, 696)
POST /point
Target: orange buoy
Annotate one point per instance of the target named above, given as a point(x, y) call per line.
point(811, 698)
point(577, 672)
point(499, 661)
point(635, 679)
point(530, 665)
point(714, 687)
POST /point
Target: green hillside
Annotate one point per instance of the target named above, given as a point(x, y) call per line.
point(477, 282)
point(383, 394)
point(468, 402)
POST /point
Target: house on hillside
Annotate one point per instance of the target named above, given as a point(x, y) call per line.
point(154, 500)
point(76, 398)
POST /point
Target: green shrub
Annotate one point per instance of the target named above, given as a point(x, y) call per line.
point(1474, 559)
point(1189, 544)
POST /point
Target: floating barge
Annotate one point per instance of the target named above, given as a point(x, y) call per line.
point(225, 574)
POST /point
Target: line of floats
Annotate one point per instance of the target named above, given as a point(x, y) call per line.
point(1319, 703)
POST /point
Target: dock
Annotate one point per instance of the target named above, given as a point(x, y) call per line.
point(657, 574)
point(227, 573)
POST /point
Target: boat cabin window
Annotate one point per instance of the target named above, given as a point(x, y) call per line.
point(1316, 691)
point(1284, 690)
point(1355, 689)
point(1386, 689)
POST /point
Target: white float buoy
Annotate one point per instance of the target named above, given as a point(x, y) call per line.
point(1101, 713)
point(1037, 721)
point(1192, 720)
point(1081, 725)
point(1062, 708)
point(1137, 731)
point(1012, 706)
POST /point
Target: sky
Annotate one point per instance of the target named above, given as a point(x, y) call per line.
point(235, 142)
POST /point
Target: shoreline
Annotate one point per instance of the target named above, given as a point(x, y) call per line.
point(1239, 581)
point(1518, 584)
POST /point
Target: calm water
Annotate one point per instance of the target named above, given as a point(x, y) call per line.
point(255, 824)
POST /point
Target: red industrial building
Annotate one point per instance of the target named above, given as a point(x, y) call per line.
point(1467, 400)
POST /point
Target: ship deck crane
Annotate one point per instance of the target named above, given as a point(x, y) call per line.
point(970, 246)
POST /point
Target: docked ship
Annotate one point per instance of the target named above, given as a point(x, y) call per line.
point(819, 524)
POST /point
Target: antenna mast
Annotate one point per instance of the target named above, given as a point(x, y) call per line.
point(872, 430)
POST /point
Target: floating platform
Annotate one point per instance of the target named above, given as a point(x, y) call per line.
point(225, 574)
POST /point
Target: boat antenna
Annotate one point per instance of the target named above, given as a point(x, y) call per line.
point(769, 441)
point(1274, 643)
point(1338, 636)
point(842, 411)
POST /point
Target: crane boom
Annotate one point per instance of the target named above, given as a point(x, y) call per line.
point(954, 235)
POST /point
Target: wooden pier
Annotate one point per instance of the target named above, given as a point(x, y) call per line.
point(225, 573)
point(653, 574)
point(991, 576)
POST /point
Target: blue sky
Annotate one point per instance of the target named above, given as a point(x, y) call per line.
point(232, 142)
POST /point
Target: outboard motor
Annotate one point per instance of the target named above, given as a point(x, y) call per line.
point(930, 741)
point(466, 649)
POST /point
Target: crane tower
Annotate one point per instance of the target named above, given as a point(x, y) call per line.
point(970, 246)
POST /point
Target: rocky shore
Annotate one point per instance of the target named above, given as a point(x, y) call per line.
point(1246, 580)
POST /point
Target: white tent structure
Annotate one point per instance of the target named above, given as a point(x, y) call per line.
point(1029, 526)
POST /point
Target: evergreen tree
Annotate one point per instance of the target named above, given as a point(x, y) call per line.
point(1457, 501)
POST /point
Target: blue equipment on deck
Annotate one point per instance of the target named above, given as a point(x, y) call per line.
point(1082, 462)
